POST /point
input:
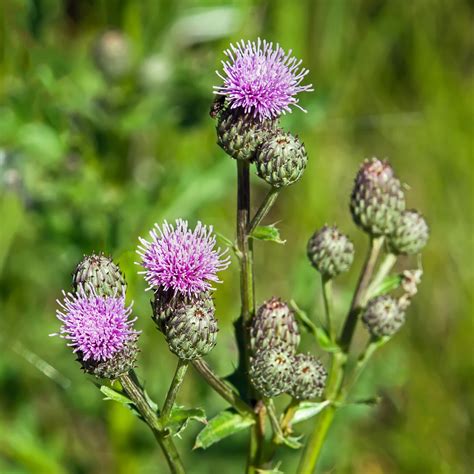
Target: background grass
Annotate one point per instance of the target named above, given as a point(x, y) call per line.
point(89, 164)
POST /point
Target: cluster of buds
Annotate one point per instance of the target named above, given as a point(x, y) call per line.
point(96, 321)
point(179, 265)
point(275, 366)
point(260, 82)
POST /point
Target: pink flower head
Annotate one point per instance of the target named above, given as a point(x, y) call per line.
point(180, 259)
point(97, 327)
point(261, 79)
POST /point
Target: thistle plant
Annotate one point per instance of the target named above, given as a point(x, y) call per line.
point(180, 265)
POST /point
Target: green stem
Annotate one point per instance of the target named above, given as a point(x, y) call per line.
point(360, 292)
point(178, 378)
point(334, 388)
point(315, 442)
point(277, 431)
point(247, 292)
point(385, 267)
point(362, 362)
point(266, 205)
point(288, 415)
point(224, 390)
point(327, 298)
point(136, 394)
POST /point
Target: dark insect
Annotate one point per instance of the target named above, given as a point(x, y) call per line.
point(217, 106)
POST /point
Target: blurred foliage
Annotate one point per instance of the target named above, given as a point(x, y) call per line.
point(101, 135)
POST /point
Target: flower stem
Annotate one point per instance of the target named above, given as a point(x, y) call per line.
point(247, 293)
point(360, 293)
point(173, 390)
point(315, 442)
point(385, 267)
point(338, 370)
point(135, 392)
point(266, 205)
point(222, 388)
point(288, 415)
point(327, 298)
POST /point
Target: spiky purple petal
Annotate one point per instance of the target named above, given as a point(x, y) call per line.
point(261, 78)
point(180, 259)
point(96, 326)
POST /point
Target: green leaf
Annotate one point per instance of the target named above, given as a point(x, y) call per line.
point(390, 283)
point(111, 394)
point(319, 333)
point(307, 410)
point(292, 442)
point(224, 424)
point(181, 416)
point(274, 470)
point(267, 232)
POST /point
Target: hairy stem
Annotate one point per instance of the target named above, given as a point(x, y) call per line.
point(224, 390)
point(178, 378)
point(266, 205)
point(135, 392)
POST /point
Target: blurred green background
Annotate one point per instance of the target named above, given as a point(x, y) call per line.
point(101, 136)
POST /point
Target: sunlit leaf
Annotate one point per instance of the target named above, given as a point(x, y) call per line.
point(268, 233)
point(225, 424)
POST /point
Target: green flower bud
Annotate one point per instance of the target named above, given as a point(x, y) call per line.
point(121, 363)
point(410, 234)
point(164, 304)
point(271, 371)
point(274, 325)
point(240, 134)
point(330, 251)
point(191, 330)
point(101, 273)
point(309, 377)
point(377, 198)
point(281, 160)
point(383, 316)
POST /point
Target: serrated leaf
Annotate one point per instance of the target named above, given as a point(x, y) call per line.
point(181, 416)
point(307, 410)
point(111, 394)
point(319, 333)
point(390, 283)
point(267, 233)
point(224, 424)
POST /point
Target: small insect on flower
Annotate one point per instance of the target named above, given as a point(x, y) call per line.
point(97, 327)
point(261, 78)
point(181, 259)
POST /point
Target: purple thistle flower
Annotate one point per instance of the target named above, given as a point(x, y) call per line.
point(261, 79)
point(97, 326)
point(180, 259)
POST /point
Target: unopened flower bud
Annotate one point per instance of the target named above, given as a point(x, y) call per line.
point(112, 55)
point(377, 198)
point(410, 234)
point(191, 330)
point(274, 325)
point(309, 377)
point(240, 134)
point(281, 160)
point(100, 273)
point(330, 251)
point(271, 371)
point(383, 316)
